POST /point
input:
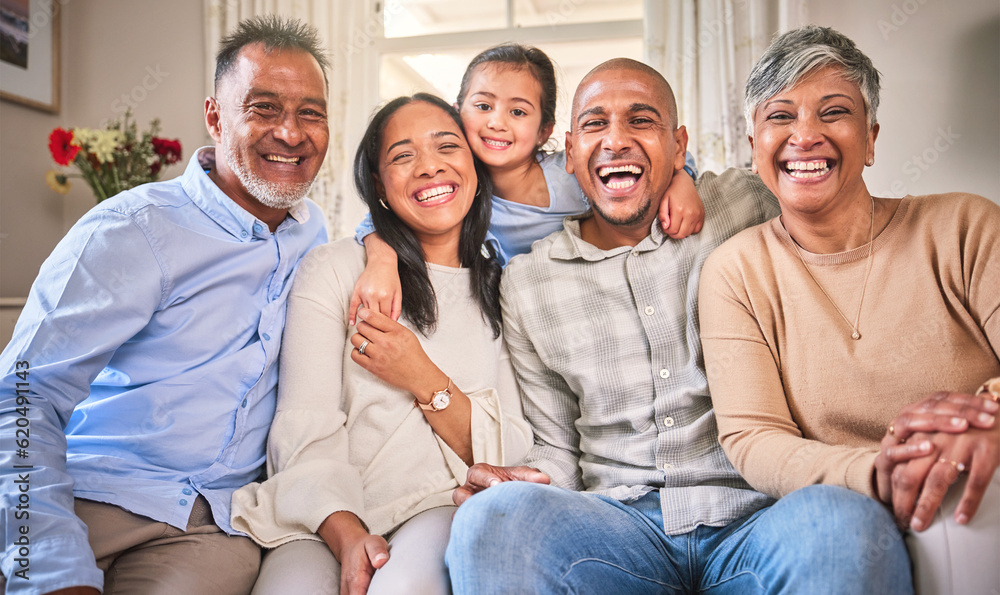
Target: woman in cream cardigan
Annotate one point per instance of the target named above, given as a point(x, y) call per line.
point(828, 330)
point(375, 428)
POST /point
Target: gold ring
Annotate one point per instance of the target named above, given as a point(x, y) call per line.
point(960, 467)
point(892, 432)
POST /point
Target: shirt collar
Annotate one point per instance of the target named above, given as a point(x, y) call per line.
point(222, 209)
point(569, 245)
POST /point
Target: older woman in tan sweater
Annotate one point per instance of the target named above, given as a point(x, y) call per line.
point(828, 330)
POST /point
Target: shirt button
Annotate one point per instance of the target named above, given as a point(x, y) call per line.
point(664, 373)
point(649, 310)
point(267, 337)
point(183, 502)
point(244, 404)
point(186, 491)
point(257, 227)
point(635, 251)
point(243, 233)
point(667, 466)
point(669, 422)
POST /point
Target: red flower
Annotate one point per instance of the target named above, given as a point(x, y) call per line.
point(59, 145)
point(169, 150)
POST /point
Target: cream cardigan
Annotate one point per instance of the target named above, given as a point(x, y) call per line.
point(343, 440)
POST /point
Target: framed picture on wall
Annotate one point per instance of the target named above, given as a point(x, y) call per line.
point(29, 53)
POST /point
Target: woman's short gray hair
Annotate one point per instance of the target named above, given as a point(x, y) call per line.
point(799, 52)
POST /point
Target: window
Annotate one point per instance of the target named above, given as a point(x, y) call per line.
point(427, 44)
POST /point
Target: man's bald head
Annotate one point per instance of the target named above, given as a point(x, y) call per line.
point(620, 65)
point(624, 146)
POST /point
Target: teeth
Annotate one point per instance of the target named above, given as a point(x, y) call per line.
point(281, 159)
point(617, 169)
point(621, 184)
point(807, 174)
point(497, 143)
point(807, 169)
point(434, 192)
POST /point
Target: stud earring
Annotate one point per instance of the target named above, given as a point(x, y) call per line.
point(870, 162)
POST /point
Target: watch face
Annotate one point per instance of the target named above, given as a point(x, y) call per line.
point(440, 400)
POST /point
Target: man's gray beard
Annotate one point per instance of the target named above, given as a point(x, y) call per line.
point(270, 194)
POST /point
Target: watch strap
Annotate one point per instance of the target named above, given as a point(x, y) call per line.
point(430, 406)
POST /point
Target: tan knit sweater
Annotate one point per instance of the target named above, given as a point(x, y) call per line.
point(797, 400)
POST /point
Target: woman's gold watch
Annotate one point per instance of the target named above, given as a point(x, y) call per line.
point(439, 400)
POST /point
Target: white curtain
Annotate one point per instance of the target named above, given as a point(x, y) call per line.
point(346, 28)
point(705, 49)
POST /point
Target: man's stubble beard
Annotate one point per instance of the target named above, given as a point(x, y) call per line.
point(629, 220)
point(270, 194)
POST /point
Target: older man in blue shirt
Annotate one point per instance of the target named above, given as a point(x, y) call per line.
point(140, 383)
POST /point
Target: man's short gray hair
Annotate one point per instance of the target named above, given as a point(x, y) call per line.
point(276, 33)
point(801, 51)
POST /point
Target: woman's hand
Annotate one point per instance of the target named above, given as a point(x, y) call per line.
point(360, 559)
point(681, 211)
point(378, 286)
point(919, 486)
point(393, 354)
point(907, 457)
point(891, 454)
point(359, 553)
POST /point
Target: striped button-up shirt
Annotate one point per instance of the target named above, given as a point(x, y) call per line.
point(606, 349)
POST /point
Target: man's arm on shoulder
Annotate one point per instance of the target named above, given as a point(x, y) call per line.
point(97, 290)
point(735, 200)
point(549, 405)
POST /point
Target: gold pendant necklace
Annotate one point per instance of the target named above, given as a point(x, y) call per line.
point(856, 334)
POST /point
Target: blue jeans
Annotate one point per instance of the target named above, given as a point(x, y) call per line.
point(520, 537)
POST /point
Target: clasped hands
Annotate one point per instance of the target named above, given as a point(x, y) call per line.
point(927, 448)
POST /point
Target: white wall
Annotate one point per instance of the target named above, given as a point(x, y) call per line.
point(940, 112)
point(151, 52)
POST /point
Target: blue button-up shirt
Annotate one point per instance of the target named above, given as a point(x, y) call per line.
point(143, 369)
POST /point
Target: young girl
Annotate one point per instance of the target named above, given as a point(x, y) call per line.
point(507, 101)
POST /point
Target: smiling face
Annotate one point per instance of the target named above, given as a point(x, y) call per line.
point(427, 173)
point(502, 115)
point(269, 122)
point(622, 146)
point(811, 142)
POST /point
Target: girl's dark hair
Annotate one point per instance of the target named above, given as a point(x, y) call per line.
point(419, 300)
point(515, 55)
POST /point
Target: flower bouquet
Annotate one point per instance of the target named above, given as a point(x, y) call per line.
point(113, 159)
